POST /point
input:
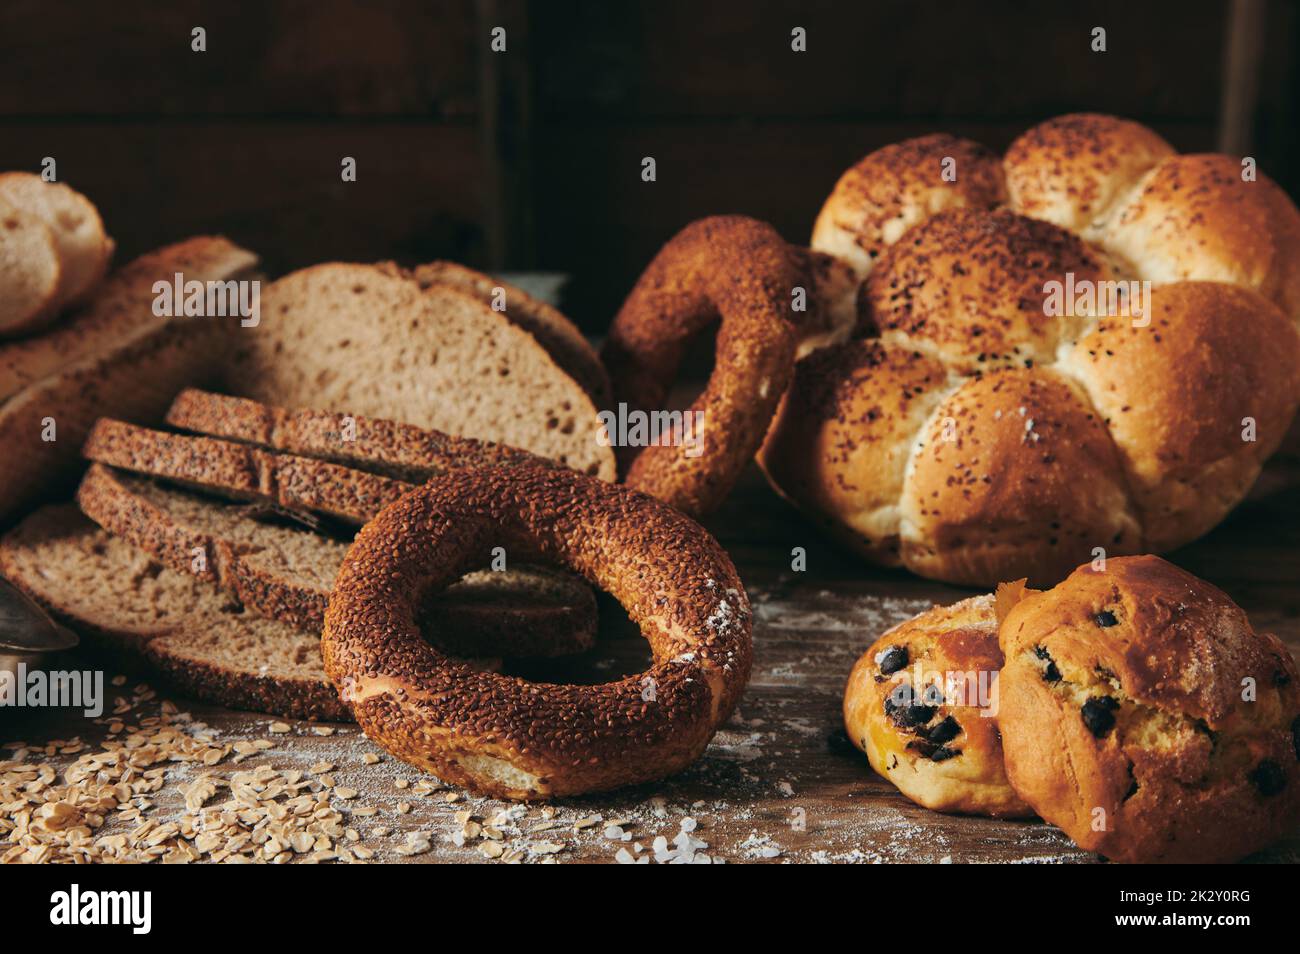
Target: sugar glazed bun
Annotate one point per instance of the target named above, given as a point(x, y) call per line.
point(728, 267)
point(922, 703)
point(1143, 715)
point(507, 737)
point(985, 422)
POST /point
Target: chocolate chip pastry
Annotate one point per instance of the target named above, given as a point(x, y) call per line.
point(1142, 714)
point(922, 704)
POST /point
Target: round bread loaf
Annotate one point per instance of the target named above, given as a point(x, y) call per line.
point(1089, 348)
point(506, 737)
point(1142, 714)
point(922, 702)
point(725, 267)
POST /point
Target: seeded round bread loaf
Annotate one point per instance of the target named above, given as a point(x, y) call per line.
point(1019, 401)
point(507, 737)
point(1142, 714)
point(205, 642)
point(922, 703)
point(733, 269)
point(285, 571)
point(369, 339)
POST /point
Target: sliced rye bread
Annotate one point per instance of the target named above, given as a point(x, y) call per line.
point(203, 640)
point(29, 271)
point(84, 247)
point(384, 447)
point(244, 472)
point(287, 572)
point(368, 338)
point(553, 331)
point(115, 357)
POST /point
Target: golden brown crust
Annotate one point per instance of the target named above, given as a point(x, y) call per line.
point(839, 445)
point(922, 704)
point(1103, 221)
point(899, 185)
point(1143, 715)
point(1196, 400)
point(970, 286)
point(507, 737)
point(1072, 169)
point(730, 267)
point(1194, 218)
point(1014, 469)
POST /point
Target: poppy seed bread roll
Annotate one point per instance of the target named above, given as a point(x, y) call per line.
point(1111, 346)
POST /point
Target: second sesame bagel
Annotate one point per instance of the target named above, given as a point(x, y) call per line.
point(504, 736)
point(729, 267)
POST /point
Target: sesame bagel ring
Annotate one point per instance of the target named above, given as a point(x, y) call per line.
point(504, 736)
point(729, 267)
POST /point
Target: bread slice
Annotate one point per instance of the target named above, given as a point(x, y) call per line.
point(116, 358)
point(553, 331)
point(206, 643)
point(29, 271)
point(285, 571)
point(391, 448)
point(244, 472)
point(368, 338)
point(83, 245)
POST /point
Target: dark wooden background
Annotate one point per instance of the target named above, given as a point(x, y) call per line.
point(531, 159)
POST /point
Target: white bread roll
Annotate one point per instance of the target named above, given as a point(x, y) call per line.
point(83, 247)
point(30, 271)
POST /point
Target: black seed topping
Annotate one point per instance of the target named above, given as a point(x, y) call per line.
point(1268, 778)
point(1295, 736)
point(1099, 715)
point(1051, 673)
point(1106, 619)
point(905, 711)
point(894, 659)
point(945, 731)
point(943, 754)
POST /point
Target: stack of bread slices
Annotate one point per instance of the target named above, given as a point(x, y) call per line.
point(209, 526)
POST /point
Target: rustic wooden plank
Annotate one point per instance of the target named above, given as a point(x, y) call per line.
point(505, 128)
point(991, 60)
point(780, 778)
point(298, 58)
point(275, 187)
point(1239, 97)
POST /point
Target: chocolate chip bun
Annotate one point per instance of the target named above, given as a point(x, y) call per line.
point(922, 703)
point(1143, 715)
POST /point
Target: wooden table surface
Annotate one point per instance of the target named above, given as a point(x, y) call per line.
point(780, 782)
